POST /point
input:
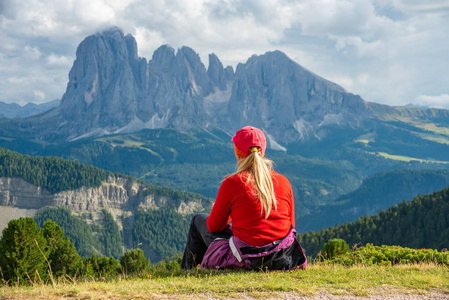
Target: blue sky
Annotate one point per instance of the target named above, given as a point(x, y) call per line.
point(394, 52)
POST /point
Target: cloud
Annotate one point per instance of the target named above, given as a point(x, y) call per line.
point(440, 7)
point(387, 51)
point(441, 101)
point(54, 60)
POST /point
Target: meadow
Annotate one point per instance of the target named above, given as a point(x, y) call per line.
point(319, 280)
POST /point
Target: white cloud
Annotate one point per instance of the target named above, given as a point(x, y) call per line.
point(19, 80)
point(421, 7)
point(39, 94)
point(441, 101)
point(387, 51)
point(54, 60)
point(32, 53)
point(362, 48)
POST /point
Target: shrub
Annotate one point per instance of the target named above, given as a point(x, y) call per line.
point(63, 257)
point(333, 248)
point(391, 255)
point(100, 267)
point(134, 262)
point(23, 252)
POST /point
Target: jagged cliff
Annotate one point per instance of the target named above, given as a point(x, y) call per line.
point(122, 197)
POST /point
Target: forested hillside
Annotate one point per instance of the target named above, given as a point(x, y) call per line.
point(101, 239)
point(377, 192)
point(159, 231)
point(57, 174)
point(52, 173)
point(420, 223)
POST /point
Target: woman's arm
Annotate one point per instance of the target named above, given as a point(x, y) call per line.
point(291, 201)
point(292, 209)
point(220, 215)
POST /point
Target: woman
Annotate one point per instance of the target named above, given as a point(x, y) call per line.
point(259, 203)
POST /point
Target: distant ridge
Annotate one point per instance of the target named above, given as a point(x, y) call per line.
point(13, 110)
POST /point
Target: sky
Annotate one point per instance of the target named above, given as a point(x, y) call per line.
point(393, 52)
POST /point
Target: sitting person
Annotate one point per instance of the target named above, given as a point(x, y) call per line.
point(259, 203)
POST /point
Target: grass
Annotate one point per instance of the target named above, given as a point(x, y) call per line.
point(407, 158)
point(319, 278)
point(434, 138)
point(434, 128)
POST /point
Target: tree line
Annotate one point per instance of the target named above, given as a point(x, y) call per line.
point(100, 239)
point(167, 228)
point(29, 255)
point(420, 223)
point(52, 173)
point(162, 233)
point(57, 174)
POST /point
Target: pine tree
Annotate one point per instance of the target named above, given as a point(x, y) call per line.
point(63, 257)
point(23, 252)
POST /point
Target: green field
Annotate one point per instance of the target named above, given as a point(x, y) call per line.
point(407, 158)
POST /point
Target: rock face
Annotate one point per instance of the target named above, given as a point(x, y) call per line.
point(120, 196)
point(289, 102)
point(112, 90)
point(103, 89)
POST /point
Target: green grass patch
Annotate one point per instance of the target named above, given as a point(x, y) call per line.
point(407, 158)
point(434, 138)
point(433, 128)
point(365, 139)
point(319, 278)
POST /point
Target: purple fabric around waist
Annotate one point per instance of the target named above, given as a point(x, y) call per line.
point(219, 253)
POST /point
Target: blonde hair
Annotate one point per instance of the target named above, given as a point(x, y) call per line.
point(260, 174)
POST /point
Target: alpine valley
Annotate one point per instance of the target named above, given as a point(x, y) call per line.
point(168, 122)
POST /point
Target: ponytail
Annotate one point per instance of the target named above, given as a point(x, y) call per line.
point(260, 174)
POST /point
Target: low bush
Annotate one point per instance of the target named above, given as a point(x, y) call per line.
point(333, 248)
point(391, 255)
point(134, 262)
point(100, 267)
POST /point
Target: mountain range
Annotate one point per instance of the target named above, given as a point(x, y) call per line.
point(13, 110)
point(111, 90)
point(169, 120)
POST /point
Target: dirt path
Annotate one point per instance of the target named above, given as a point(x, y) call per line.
point(325, 296)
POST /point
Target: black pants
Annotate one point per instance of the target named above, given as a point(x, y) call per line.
point(198, 240)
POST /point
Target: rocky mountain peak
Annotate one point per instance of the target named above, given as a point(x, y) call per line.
point(291, 103)
point(217, 74)
point(112, 90)
point(163, 56)
point(102, 89)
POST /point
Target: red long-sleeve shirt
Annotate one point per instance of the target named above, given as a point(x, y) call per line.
point(236, 202)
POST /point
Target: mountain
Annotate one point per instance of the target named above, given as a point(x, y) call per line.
point(288, 101)
point(112, 90)
point(13, 110)
point(420, 223)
